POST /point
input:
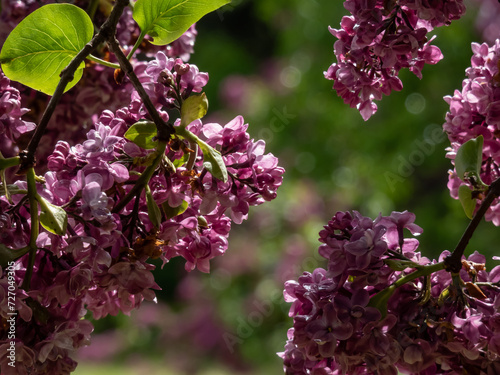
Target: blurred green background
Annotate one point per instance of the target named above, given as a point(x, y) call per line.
point(266, 61)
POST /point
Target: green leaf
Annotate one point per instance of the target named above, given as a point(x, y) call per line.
point(153, 209)
point(469, 159)
point(213, 161)
point(167, 20)
point(142, 134)
point(8, 255)
point(44, 43)
point(193, 108)
point(468, 203)
point(53, 218)
point(171, 212)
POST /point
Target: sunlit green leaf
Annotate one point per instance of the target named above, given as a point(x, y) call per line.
point(468, 203)
point(53, 218)
point(167, 20)
point(193, 108)
point(142, 134)
point(44, 43)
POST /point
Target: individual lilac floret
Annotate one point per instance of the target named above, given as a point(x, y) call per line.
point(475, 111)
point(378, 40)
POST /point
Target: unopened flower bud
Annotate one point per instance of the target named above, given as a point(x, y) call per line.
point(166, 78)
point(181, 69)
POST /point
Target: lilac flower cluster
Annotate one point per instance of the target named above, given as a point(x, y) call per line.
point(475, 111)
point(378, 40)
point(101, 264)
point(433, 324)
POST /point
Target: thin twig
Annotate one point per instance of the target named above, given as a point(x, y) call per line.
point(143, 180)
point(165, 130)
point(453, 262)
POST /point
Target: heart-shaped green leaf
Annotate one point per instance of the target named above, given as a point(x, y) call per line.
point(44, 43)
point(53, 218)
point(167, 20)
point(465, 198)
point(142, 134)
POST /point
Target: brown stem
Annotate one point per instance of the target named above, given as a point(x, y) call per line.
point(453, 262)
point(165, 130)
point(106, 32)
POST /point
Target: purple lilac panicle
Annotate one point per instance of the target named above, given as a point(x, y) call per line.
point(475, 111)
point(379, 39)
point(101, 264)
point(336, 330)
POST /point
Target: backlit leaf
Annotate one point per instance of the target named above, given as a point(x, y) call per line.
point(44, 43)
point(167, 20)
point(193, 108)
point(53, 218)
